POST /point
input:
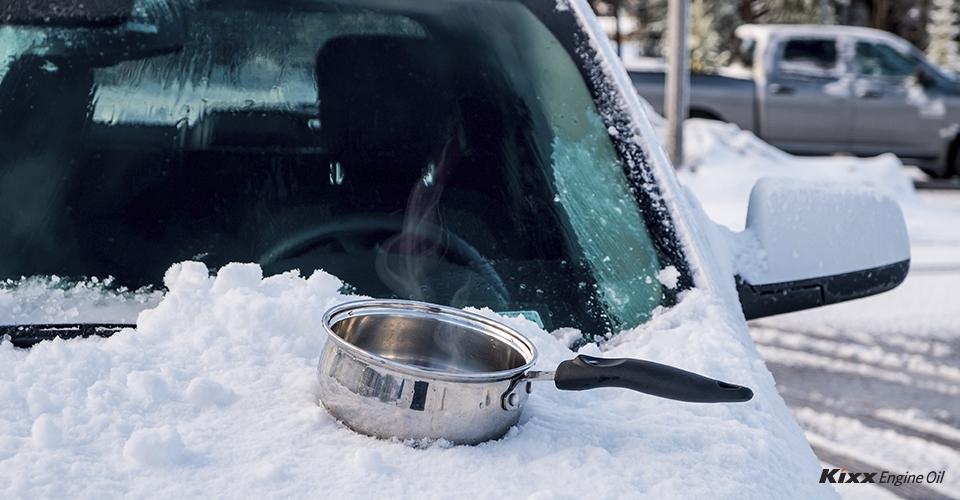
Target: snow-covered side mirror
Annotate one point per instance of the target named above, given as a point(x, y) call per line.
point(820, 244)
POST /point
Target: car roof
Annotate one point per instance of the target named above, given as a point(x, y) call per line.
point(777, 31)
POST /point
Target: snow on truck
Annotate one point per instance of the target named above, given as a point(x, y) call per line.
point(830, 89)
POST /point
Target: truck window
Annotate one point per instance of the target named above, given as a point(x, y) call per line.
point(877, 59)
point(814, 57)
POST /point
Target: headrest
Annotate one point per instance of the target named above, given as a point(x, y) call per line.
point(385, 101)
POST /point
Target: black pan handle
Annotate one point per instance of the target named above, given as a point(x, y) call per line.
point(586, 372)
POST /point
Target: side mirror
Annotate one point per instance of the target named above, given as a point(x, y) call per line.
point(820, 244)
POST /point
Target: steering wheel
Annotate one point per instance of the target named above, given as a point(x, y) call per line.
point(353, 234)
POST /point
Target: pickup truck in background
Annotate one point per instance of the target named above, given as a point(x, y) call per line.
point(820, 90)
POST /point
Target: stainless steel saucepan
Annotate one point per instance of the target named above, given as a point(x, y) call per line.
point(412, 370)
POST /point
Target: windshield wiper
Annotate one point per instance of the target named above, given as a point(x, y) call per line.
point(29, 335)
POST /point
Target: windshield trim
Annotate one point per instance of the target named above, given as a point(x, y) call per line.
point(28, 335)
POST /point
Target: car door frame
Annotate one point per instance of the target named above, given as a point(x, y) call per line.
point(896, 114)
point(792, 103)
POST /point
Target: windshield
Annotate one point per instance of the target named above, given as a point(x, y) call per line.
point(450, 154)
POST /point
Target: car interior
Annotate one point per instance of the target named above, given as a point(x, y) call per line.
point(416, 173)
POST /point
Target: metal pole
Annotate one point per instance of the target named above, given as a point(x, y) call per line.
point(678, 77)
point(616, 17)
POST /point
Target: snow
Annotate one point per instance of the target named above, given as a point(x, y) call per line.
point(722, 163)
point(668, 277)
point(50, 299)
point(214, 394)
point(914, 456)
point(810, 229)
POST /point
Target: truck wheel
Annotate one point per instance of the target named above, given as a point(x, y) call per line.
point(953, 162)
point(706, 115)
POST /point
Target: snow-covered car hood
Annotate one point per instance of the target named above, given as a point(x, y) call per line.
point(215, 393)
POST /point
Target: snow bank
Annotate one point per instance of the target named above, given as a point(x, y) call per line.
point(723, 162)
point(214, 395)
point(50, 299)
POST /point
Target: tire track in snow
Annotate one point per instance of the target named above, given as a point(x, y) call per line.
point(794, 400)
point(925, 364)
point(903, 386)
point(857, 377)
point(907, 491)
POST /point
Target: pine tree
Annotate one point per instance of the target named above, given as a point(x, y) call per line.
point(784, 11)
point(707, 51)
point(943, 30)
point(712, 23)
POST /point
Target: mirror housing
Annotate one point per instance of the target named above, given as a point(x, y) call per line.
point(820, 244)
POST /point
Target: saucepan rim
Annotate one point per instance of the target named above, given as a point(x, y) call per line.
point(433, 312)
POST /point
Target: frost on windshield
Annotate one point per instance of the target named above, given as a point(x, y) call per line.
point(607, 222)
point(15, 41)
point(590, 184)
point(231, 61)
